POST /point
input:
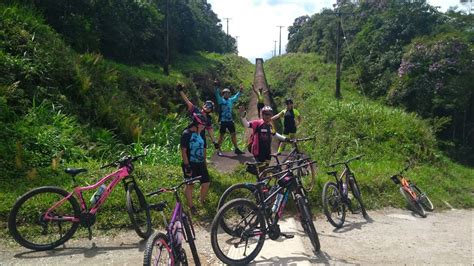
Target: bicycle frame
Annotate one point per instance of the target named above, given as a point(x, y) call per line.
point(117, 176)
point(405, 183)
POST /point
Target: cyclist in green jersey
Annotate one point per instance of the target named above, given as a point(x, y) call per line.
point(291, 120)
point(260, 98)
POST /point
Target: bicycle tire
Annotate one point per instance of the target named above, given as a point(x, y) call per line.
point(327, 204)
point(424, 200)
point(153, 241)
point(308, 185)
point(190, 238)
point(216, 224)
point(356, 192)
point(414, 205)
point(142, 230)
point(307, 222)
point(20, 238)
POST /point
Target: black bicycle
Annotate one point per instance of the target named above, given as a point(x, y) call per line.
point(262, 171)
point(250, 223)
point(336, 195)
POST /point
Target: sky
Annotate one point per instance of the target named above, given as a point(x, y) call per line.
point(256, 22)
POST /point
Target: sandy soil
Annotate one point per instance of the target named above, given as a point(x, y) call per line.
point(392, 236)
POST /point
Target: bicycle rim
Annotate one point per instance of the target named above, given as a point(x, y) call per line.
point(307, 222)
point(158, 251)
point(137, 209)
point(334, 208)
point(247, 240)
point(27, 223)
point(423, 199)
point(414, 205)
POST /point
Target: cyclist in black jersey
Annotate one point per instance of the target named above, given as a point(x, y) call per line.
point(291, 119)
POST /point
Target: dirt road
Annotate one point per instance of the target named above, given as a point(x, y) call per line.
point(392, 237)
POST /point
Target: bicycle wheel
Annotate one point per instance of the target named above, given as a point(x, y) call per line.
point(412, 202)
point(27, 223)
point(307, 221)
point(138, 211)
point(158, 251)
point(243, 190)
point(247, 240)
point(423, 199)
point(334, 208)
point(356, 192)
point(190, 237)
point(307, 174)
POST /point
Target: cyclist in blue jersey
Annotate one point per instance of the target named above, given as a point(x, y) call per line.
point(226, 120)
point(193, 153)
point(206, 110)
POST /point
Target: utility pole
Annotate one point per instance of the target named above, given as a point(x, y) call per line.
point(227, 38)
point(274, 48)
point(167, 40)
point(338, 55)
point(279, 49)
point(237, 45)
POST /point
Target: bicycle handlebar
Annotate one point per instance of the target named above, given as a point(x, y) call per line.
point(173, 189)
point(290, 169)
point(347, 161)
point(123, 160)
point(303, 139)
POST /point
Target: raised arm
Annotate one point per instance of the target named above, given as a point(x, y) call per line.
point(275, 117)
point(180, 88)
point(243, 119)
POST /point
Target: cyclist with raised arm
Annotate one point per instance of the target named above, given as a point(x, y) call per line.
point(262, 133)
point(291, 120)
point(260, 99)
point(206, 109)
point(193, 153)
point(226, 121)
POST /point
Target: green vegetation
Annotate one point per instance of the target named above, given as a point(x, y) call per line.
point(355, 125)
point(406, 54)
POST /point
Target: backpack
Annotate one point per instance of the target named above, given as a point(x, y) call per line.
point(252, 137)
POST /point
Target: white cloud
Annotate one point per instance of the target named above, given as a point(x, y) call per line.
point(256, 21)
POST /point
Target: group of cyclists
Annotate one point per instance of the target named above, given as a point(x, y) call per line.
point(193, 139)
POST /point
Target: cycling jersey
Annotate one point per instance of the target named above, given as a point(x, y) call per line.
point(259, 97)
point(225, 113)
point(194, 144)
point(289, 122)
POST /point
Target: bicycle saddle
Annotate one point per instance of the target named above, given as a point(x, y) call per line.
point(75, 171)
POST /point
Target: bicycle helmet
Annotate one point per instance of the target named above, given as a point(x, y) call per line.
point(199, 119)
point(267, 109)
point(209, 104)
point(225, 90)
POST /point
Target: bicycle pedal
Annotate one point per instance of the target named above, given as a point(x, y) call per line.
point(287, 236)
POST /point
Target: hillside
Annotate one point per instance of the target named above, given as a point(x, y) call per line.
point(388, 136)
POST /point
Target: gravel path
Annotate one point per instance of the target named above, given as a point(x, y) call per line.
point(393, 236)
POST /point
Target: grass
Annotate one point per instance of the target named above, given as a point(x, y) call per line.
point(355, 125)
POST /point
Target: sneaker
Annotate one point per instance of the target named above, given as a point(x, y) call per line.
point(219, 153)
point(194, 211)
point(237, 151)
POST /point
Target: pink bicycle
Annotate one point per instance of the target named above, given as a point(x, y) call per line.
point(37, 227)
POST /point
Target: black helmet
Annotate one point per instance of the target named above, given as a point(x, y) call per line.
point(288, 101)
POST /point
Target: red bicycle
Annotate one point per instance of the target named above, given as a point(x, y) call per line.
point(47, 217)
point(417, 199)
